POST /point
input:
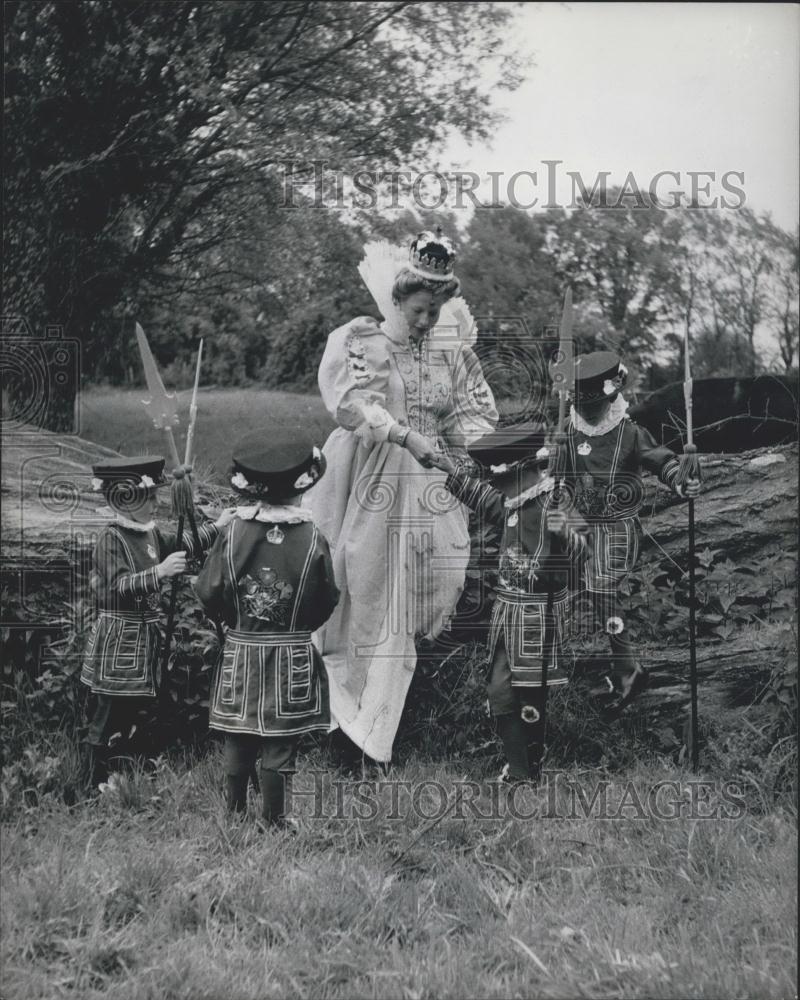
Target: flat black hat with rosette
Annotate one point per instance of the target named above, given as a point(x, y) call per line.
point(140, 472)
point(505, 445)
point(599, 375)
point(275, 463)
point(513, 458)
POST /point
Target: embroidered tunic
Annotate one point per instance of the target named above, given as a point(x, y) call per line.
point(603, 471)
point(272, 582)
point(122, 652)
point(528, 553)
point(400, 542)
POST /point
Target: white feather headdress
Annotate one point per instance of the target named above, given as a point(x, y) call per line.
point(381, 264)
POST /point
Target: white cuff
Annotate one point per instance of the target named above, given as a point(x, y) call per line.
point(376, 424)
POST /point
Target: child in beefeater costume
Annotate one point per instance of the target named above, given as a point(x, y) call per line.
point(132, 560)
point(269, 577)
point(537, 542)
point(605, 454)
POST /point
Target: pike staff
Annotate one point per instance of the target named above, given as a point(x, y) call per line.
point(162, 408)
point(187, 496)
point(562, 373)
point(689, 470)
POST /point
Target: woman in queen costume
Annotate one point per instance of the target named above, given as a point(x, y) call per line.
point(399, 540)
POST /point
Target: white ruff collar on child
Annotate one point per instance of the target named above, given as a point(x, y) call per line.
point(274, 513)
point(616, 412)
point(545, 485)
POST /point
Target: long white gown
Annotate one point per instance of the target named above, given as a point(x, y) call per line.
point(399, 540)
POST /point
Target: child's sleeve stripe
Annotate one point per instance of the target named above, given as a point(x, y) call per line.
point(669, 472)
point(138, 584)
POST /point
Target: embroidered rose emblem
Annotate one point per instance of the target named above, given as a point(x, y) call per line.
point(151, 551)
point(614, 626)
point(513, 520)
point(147, 482)
point(608, 387)
point(268, 598)
point(240, 482)
point(584, 448)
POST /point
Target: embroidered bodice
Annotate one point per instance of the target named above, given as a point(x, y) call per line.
point(436, 388)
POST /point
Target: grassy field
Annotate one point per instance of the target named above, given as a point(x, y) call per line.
point(626, 880)
point(152, 891)
point(116, 418)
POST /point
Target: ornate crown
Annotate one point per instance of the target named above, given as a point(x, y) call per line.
point(432, 256)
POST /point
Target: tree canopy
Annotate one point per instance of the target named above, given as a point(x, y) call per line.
point(144, 139)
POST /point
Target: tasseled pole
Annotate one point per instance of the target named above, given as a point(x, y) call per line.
point(549, 639)
point(182, 506)
point(563, 376)
point(689, 468)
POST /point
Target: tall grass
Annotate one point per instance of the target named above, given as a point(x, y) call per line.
point(152, 891)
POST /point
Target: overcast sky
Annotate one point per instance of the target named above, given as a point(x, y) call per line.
point(645, 87)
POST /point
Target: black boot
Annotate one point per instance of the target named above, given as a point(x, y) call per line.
point(95, 766)
point(535, 755)
point(236, 792)
point(273, 795)
point(531, 702)
point(629, 677)
point(515, 743)
point(347, 756)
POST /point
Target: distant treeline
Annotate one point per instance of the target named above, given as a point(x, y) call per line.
point(147, 148)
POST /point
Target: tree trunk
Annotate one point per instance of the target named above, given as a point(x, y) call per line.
point(747, 514)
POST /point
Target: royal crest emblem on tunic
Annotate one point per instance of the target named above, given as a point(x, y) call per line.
point(590, 500)
point(584, 448)
point(151, 551)
point(516, 571)
point(268, 598)
point(275, 536)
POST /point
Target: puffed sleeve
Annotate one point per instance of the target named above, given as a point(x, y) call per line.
point(662, 462)
point(213, 584)
point(353, 378)
point(473, 412)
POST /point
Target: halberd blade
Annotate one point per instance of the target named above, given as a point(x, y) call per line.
point(162, 406)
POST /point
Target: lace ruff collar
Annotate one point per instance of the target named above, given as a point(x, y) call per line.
point(616, 413)
point(545, 485)
point(274, 514)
